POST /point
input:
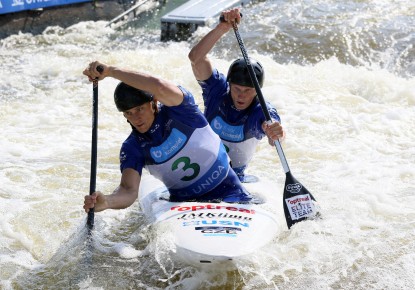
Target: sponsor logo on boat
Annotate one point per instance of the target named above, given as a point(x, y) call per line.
point(216, 223)
point(212, 206)
point(218, 231)
point(190, 216)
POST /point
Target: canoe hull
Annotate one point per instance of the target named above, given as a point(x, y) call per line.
point(210, 233)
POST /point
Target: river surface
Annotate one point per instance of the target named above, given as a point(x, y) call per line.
point(342, 77)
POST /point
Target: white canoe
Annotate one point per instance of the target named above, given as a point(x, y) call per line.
point(209, 233)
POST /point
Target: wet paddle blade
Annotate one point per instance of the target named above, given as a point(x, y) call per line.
point(299, 204)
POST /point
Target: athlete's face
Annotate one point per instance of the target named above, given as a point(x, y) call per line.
point(141, 117)
point(242, 96)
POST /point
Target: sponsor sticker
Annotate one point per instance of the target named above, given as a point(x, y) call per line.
point(210, 215)
point(216, 223)
point(300, 206)
point(212, 206)
point(293, 187)
point(218, 231)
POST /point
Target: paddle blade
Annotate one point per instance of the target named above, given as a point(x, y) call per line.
point(298, 201)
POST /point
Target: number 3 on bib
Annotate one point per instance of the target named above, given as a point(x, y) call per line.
point(186, 165)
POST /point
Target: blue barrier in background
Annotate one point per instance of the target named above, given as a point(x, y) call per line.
point(9, 6)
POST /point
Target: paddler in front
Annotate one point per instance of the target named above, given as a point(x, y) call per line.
point(170, 138)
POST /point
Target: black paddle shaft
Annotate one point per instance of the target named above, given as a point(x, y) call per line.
point(93, 175)
point(297, 200)
point(260, 97)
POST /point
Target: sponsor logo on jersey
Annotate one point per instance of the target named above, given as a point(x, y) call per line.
point(123, 156)
point(226, 131)
point(173, 144)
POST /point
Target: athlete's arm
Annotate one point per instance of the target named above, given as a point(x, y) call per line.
point(164, 91)
point(122, 197)
point(201, 65)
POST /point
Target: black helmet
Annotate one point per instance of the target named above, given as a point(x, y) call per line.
point(238, 73)
point(127, 97)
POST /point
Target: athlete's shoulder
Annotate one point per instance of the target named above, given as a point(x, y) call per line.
point(131, 141)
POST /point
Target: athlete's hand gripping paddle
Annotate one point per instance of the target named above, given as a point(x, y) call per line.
point(297, 200)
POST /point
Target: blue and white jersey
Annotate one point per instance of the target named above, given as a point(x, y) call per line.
point(240, 130)
point(182, 151)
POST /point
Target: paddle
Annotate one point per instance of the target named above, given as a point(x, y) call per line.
point(93, 175)
point(297, 200)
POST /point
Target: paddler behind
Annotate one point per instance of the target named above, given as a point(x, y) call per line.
point(231, 106)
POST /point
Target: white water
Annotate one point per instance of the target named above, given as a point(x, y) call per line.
point(350, 141)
